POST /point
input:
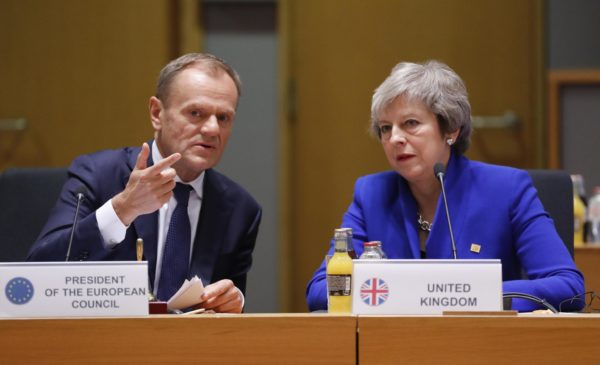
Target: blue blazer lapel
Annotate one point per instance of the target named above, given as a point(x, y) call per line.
point(212, 225)
point(458, 195)
point(406, 207)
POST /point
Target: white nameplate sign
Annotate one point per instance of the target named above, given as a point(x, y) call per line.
point(426, 286)
point(74, 289)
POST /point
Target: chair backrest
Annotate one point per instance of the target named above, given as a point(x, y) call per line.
point(555, 190)
point(26, 197)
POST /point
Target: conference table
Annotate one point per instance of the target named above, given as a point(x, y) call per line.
point(587, 259)
point(486, 339)
point(164, 339)
point(304, 339)
point(315, 338)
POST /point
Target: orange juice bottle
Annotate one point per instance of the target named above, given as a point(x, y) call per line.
point(579, 220)
point(579, 211)
point(339, 276)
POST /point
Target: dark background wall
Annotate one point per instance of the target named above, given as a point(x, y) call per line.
point(573, 33)
point(573, 43)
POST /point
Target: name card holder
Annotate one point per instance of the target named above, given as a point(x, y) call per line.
point(74, 289)
point(426, 286)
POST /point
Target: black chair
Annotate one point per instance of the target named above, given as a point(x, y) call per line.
point(26, 197)
point(555, 190)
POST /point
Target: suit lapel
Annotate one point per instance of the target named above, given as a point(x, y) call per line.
point(457, 193)
point(212, 225)
point(146, 226)
point(406, 207)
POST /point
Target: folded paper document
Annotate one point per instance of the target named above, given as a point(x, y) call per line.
point(188, 295)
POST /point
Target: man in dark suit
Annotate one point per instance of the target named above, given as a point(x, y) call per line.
point(131, 193)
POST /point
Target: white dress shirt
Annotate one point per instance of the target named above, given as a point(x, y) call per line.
point(113, 230)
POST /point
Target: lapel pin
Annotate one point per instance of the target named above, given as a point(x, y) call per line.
point(475, 247)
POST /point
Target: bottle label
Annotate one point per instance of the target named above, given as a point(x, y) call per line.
point(339, 285)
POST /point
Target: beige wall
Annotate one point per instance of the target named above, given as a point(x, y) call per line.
point(81, 73)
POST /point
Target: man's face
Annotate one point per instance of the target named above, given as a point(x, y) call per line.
point(195, 120)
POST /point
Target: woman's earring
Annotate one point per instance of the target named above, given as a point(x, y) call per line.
point(450, 141)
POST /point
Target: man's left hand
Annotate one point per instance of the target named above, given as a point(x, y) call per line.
point(222, 297)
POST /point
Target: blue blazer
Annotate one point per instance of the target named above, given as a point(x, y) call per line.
point(225, 236)
point(493, 206)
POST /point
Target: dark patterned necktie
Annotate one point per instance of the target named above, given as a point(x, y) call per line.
point(176, 252)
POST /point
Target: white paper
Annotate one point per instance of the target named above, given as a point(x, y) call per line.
point(188, 295)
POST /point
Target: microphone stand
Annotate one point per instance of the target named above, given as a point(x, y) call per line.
point(80, 197)
point(439, 174)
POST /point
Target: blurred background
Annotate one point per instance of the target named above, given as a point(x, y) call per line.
point(76, 77)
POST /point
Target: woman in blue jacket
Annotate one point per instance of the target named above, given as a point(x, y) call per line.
point(422, 116)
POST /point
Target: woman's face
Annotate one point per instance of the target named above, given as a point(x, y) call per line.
point(412, 140)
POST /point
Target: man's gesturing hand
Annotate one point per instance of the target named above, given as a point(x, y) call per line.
point(148, 188)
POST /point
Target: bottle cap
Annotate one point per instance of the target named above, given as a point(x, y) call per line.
point(347, 230)
point(371, 244)
point(340, 232)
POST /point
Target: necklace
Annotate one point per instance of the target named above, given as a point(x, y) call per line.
point(423, 224)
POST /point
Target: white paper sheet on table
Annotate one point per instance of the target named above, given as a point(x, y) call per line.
point(188, 295)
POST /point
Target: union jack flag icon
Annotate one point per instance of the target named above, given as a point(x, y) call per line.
point(374, 292)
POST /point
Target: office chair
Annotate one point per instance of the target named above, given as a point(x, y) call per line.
point(26, 197)
point(555, 190)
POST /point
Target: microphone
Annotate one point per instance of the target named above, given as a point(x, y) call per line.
point(79, 193)
point(439, 171)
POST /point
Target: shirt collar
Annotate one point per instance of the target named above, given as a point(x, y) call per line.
point(196, 184)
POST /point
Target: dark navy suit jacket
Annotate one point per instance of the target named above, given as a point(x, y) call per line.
point(225, 236)
point(493, 206)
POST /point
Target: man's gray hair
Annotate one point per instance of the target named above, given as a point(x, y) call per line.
point(207, 61)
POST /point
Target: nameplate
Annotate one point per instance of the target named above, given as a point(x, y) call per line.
point(426, 286)
point(74, 289)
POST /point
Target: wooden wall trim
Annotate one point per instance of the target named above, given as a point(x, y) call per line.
point(284, 95)
point(557, 79)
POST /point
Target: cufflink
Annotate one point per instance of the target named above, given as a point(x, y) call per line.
point(475, 247)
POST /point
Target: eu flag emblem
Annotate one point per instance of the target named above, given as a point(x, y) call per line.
point(19, 290)
point(374, 291)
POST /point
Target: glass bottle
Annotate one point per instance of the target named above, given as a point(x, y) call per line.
point(371, 251)
point(339, 276)
point(579, 211)
point(349, 242)
point(380, 249)
point(594, 217)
